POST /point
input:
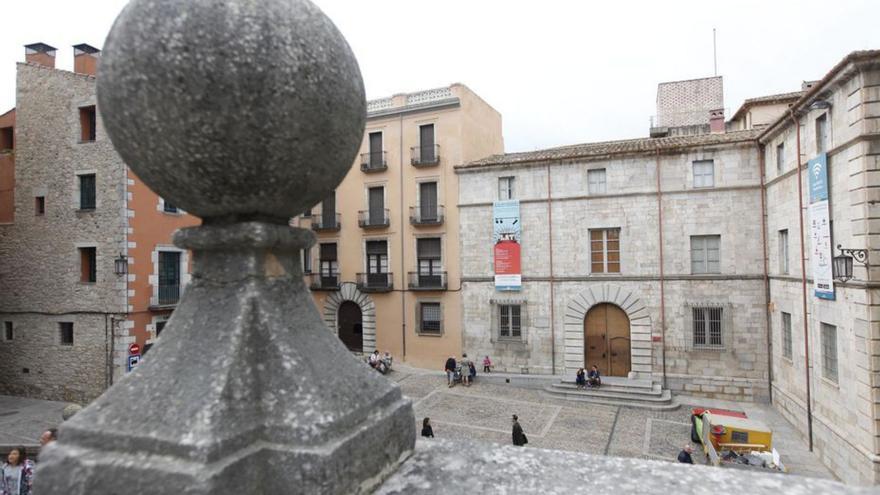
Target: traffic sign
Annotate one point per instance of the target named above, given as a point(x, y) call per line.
point(134, 349)
point(133, 361)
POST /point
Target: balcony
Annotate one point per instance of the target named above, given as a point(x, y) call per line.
point(425, 156)
point(169, 294)
point(419, 215)
point(318, 281)
point(427, 281)
point(374, 219)
point(374, 161)
point(375, 282)
point(326, 223)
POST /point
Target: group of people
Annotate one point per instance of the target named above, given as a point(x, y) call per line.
point(382, 364)
point(463, 370)
point(590, 379)
point(519, 437)
point(17, 473)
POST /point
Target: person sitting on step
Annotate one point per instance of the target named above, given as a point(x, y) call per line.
point(593, 378)
point(580, 379)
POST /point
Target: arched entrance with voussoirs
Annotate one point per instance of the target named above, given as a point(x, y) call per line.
point(335, 308)
point(606, 340)
point(630, 303)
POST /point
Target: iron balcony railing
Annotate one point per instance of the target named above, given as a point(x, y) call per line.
point(323, 281)
point(374, 161)
point(427, 281)
point(422, 215)
point(375, 282)
point(423, 156)
point(373, 219)
point(169, 294)
point(326, 223)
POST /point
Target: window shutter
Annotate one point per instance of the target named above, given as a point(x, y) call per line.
point(428, 248)
point(328, 252)
point(377, 247)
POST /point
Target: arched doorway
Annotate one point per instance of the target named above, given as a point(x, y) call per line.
point(350, 326)
point(606, 340)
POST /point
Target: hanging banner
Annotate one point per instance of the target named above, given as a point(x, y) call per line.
point(506, 237)
point(820, 228)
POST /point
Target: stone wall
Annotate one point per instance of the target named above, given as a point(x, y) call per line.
point(40, 272)
point(730, 209)
point(682, 103)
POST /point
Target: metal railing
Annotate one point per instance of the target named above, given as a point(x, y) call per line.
point(371, 219)
point(419, 215)
point(374, 161)
point(323, 223)
point(320, 281)
point(423, 156)
point(375, 282)
point(427, 281)
point(169, 294)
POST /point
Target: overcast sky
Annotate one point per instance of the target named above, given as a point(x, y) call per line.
point(560, 72)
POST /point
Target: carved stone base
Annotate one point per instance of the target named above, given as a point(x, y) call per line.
point(245, 386)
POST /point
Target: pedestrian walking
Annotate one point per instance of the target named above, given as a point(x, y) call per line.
point(487, 365)
point(427, 431)
point(684, 456)
point(16, 474)
point(465, 370)
point(450, 371)
point(519, 437)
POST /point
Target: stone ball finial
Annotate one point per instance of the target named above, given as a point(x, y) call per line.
point(240, 108)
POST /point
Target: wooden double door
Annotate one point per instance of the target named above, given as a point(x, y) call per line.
point(607, 341)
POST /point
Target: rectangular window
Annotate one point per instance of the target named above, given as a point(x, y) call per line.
point(87, 192)
point(510, 321)
point(376, 197)
point(40, 205)
point(780, 158)
point(783, 251)
point(505, 188)
point(6, 139)
point(65, 328)
point(377, 263)
point(829, 352)
point(328, 211)
point(605, 251)
point(329, 265)
point(160, 325)
point(786, 335)
point(707, 329)
point(822, 133)
point(306, 259)
point(426, 143)
point(169, 277)
point(704, 173)
point(705, 255)
point(88, 271)
point(429, 260)
point(428, 201)
point(596, 181)
point(430, 318)
point(10, 334)
point(87, 123)
point(168, 207)
point(376, 155)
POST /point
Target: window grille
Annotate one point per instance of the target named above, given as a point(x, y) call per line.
point(430, 316)
point(786, 335)
point(708, 326)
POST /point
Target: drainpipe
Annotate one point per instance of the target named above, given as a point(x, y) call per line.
point(108, 360)
point(402, 246)
point(662, 277)
point(797, 125)
point(552, 299)
point(762, 165)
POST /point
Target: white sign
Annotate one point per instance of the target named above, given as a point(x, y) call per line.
point(820, 250)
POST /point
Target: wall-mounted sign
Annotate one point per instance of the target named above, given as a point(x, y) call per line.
point(134, 349)
point(134, 361)
point(820, 228)
point(506, 238)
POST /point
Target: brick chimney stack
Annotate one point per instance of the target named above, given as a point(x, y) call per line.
point(85, 59)
point(40, 54)
point(716, 121)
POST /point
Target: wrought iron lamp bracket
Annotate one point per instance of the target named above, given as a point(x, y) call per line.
point(859, 255)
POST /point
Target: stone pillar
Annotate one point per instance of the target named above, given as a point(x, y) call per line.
point(245, 114)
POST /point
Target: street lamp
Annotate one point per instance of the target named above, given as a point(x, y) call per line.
point(842, 265)
point(120, 264)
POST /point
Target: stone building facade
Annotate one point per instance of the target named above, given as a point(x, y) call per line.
point(839, 340)
point(385, 270)
point(69, 314)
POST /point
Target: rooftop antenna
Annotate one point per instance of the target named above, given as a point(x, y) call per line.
point(714, 52)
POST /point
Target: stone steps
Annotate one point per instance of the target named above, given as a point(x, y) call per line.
point(642, 394)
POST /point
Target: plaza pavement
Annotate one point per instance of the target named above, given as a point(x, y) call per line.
point(482, 412)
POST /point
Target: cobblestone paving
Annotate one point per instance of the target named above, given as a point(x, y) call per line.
point(482, 412)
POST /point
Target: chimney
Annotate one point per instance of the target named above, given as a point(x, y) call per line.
point(85, 59)
point(716, 121)
point(40, 54)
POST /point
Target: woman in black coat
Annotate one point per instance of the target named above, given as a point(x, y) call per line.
point(427, 431)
